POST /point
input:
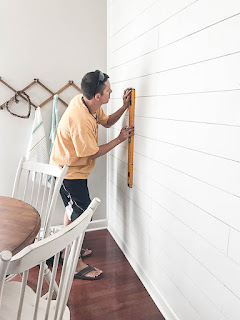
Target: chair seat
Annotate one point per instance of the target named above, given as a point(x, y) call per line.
point(10, 304)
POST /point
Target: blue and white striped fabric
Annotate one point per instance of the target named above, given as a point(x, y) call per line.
point(55, 121)
point(37, 147)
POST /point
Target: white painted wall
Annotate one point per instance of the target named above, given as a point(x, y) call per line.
point(55, 41)
point(179, 225)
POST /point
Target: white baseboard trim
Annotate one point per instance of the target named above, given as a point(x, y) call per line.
point(154, 293)
point(97, 225)
point(93, 225)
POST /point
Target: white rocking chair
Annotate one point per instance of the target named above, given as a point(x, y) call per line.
point(19, 301)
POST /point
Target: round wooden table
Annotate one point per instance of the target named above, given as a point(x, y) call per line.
point(19, 224)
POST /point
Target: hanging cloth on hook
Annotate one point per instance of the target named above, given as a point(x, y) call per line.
point(37, 147)
point(55, 121)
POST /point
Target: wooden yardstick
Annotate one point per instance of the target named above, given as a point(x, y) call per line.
point(131, 140)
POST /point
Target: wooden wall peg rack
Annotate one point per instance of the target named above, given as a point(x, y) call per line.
point(37, 81)
point(131, 140)
point(2, 106)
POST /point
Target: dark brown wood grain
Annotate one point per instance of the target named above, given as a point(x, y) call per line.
point(119, 295)
point(19, 224)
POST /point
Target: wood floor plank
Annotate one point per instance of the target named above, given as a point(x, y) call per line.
point(119, 295)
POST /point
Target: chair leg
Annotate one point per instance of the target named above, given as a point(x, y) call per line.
point(48, 276)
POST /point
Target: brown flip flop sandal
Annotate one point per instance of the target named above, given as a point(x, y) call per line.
point(81, 256)
point(86, 255)
point(81, 274)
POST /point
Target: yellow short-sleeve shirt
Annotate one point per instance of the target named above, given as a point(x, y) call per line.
point(77, 139)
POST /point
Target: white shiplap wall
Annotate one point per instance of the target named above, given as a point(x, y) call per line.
point(179, 225)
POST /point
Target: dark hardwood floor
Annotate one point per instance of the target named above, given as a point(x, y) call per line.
point(119, 295)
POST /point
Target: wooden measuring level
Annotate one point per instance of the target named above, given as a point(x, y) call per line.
point(131, 140)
